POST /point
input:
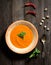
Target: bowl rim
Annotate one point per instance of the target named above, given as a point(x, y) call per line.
point(24, 50)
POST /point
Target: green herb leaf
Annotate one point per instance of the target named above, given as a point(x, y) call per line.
point(21, 35)
point(32, 55)
point(35, 53)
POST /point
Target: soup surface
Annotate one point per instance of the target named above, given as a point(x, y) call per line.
point(21, 36)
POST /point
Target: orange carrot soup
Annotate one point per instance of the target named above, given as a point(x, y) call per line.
point(21, 36)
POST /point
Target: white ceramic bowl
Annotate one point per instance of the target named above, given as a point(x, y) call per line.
point(23, 50)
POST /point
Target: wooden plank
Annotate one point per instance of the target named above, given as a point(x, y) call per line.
point(48, 44)
point(35, 21)
point(5, 20)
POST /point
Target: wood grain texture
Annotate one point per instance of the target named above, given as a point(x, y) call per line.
point(12, 10)
point(5, 21)
point(17, 10)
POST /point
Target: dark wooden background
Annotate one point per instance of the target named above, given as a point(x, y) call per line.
point(12, 10)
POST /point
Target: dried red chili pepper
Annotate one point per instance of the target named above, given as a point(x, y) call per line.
point(31, 12)
point(30, 4)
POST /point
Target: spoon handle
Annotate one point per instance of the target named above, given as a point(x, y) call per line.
point(44, 50)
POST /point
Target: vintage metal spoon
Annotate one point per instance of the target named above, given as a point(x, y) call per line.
point(43, 40)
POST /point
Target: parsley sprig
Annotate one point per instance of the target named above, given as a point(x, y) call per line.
point(22, 34)
point(35, 53)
